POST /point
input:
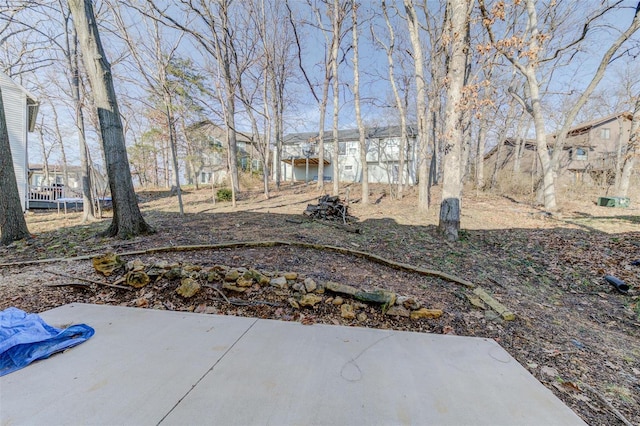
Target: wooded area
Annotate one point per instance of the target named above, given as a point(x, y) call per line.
point(466, 74)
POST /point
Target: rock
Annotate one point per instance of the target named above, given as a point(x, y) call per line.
point(426, 313)
point(251, 274)
point(232, 275)
point(398, 311)
point(549, 371)
point(244, 282)
point(319, 288)
point(291, 275)
point(188, 287)
point(299, 287)
point(408, 302)
point(294, 303)
point(212, 276)
point(346, 311)
point(279, 282)
point(264, 280)
point(341, 288)
point(378, 296)
point(495, 305)
point(361, 317)
point(310, 285)
point(173, 273)
point(220, 268)
point(329, 300)
point(191, 268)
point(476, 301)
point(232, 287)
point(310, 299)
point(135, 265)
point(338, 301)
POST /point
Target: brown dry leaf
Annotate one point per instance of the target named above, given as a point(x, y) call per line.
point(307, 320)
point(571, 385)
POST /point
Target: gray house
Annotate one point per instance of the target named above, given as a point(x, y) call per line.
point(20, 109)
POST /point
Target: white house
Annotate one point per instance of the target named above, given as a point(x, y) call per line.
point(383, 154)
point(20, 109)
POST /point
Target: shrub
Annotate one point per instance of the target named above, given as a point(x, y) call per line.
point(224, 194)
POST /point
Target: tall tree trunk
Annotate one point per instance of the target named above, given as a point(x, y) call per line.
point(323, 114)
point(619, 157)
point(450, 206)
point(171, 127)
point(356, 95)
point(337, 19)
point(13, 226)
point(45, 157)
point(402, 111)
point(421, 106)
point(482, 138)
point(87, 200)
point(127, 218)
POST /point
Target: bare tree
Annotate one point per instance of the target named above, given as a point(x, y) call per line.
point(459, 14)
point(70, 50)
point(401, 103)
point(529, 50)
point(127, 218)
point(421, 105)
point(356, 98)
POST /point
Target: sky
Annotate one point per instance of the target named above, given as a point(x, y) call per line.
point(302, 112)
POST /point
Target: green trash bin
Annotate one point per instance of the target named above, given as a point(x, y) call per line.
point(614, 201)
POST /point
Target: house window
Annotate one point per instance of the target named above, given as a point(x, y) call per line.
point(342, 148)
point(605, 133)
point(348, 168)
point(581, 154)
point(205, 177)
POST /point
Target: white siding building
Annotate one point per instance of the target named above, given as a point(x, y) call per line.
point(20, 110)
point(383, 154)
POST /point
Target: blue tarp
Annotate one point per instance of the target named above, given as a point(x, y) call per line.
point(25, 338)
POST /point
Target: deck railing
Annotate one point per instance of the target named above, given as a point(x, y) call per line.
point(53, 192)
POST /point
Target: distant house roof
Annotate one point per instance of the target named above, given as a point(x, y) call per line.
point(586, 126)
point(350, 134)
point(220, 131)
point(529, 144)
point(32, 102)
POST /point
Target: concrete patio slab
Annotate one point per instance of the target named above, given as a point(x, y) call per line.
point(158, 367)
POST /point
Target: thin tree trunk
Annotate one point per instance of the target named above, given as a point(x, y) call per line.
point(399, 103)
point(356, 96)
point(335, 46)
point(482, 138)
point(127, 218)
point(174, 149)
point(13, 226)
point(421, 104)
point(87, 200)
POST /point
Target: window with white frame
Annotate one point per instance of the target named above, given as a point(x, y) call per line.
point(580, 154)
point(605, 133)
point(372, 150)
point(342, 148)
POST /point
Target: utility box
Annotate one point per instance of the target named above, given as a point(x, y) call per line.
point(614, 201)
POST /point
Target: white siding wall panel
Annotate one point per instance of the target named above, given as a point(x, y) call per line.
point(15, 110)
